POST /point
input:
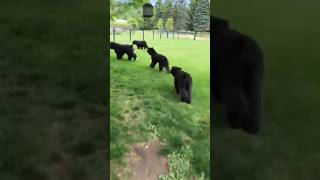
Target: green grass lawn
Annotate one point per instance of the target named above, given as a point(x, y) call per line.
point(144, 104)
point(288, 147)
point(53, 76)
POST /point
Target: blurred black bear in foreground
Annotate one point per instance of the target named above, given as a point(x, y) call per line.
point(182, 84)
point(158, 58)
point(237, 76)
point(140, 44)
point(121, 49)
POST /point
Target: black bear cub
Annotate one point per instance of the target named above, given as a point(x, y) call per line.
point(182, 84)
point(158, 58)
point(140, 44)
point(237, 76)
point(121, 49)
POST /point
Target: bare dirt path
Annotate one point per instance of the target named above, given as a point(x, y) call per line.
point(145, 161)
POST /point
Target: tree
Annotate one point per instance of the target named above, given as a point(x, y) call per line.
point(190, 16)
point(160, 24)
point(201, 18)
point(168, 11)
point(180, 15)
point(130, 10)
point(169, 24)
point(158, 10)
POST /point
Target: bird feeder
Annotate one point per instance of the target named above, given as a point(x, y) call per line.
point(147, 10)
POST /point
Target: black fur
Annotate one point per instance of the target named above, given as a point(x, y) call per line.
point(237, 76)
point(182, 84)
point(140, 44)
point(158, 58)
point(121, 49)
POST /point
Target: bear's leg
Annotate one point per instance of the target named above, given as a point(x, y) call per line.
point(176, 85)
point(160, 67)
point(153, 64)
point(119, 55)
point(254, 95)
point(183, 95)
point(130, 56)
point(189, 92)
point(235, 105)
point(182, 90)
point(168, 69)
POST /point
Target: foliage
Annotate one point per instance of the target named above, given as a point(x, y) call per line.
point(158, 10)
point(148, 23)
point(201, 19)
point(183, 14)
point(128, 10)
point(179, 164)
point(122, 25)
point(190, 15)
point(169, 24)
point(180, 15)
point(160, 24)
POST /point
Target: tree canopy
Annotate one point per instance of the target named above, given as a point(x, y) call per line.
point(183, 14)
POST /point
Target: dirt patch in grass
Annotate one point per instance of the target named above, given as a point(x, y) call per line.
point(145, 162)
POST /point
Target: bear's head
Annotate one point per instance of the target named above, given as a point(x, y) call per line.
point(219, 24)
point(112, 45)
point(151, 51)
point(175, 70)
point(134, 42)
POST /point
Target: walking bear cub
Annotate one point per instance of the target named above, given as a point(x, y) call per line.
point(121, 49)
point(140, 44)
point(158, 58)
point(182, 84)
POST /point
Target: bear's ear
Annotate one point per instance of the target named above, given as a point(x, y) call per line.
point(175, 68)
point(219, 23)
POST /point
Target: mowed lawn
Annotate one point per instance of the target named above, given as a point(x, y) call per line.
point(53, 76)
point(144, 104)
point(288, 147)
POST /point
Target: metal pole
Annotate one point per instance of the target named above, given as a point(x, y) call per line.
point(173, 34)
point(130, 33)
point(167, 34)
point(178, 34)
point(114, 35)
point(142, 34)
point(153, 34)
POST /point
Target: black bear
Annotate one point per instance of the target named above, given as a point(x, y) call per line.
point(140, 44)
point(121, 49)
point(158, 58)
point(237, 76)
point(182, 84)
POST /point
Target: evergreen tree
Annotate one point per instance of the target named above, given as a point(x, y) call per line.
point(169, 24)
point(158, 10)
point(190, 16)
point(180, 15)
point(201, 19)
point(160, 24)
point(168, 11)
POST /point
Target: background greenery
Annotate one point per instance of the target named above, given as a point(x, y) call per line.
point(53, 89)
point(288, 147)
point(192, 15)
point(144, 104)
